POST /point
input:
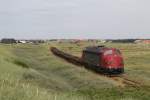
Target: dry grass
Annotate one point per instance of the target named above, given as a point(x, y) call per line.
point(31, 72)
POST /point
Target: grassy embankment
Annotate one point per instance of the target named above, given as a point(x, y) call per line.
point(31, 72)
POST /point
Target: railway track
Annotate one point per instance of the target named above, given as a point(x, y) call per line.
point(122, 79)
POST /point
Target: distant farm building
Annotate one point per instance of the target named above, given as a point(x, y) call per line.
point(8, 41)
point(143, 41)
point(68, 40)
point(36, 41)
point(102, 41)
point(23, 41)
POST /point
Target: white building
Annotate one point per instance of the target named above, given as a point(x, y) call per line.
point(23, 41)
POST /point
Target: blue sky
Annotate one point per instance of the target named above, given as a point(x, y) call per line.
point(75, 18)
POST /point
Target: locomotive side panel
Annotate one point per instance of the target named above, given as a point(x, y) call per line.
point(91, 58)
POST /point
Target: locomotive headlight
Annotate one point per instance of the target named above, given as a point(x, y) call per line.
point(110, 62)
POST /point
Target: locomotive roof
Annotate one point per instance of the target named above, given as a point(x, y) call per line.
point(96, 49)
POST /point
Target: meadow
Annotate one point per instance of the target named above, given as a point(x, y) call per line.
point(32, 72)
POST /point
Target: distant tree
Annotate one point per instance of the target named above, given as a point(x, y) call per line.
point(8, 41)
point(124, 41)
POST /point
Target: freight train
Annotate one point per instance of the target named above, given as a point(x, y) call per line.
point(104, 59)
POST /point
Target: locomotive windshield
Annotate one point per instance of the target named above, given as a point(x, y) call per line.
point(109, 52)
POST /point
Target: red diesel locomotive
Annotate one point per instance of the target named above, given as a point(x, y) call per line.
point(104, 59)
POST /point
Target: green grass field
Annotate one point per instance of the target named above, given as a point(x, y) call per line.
point(32, 72)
